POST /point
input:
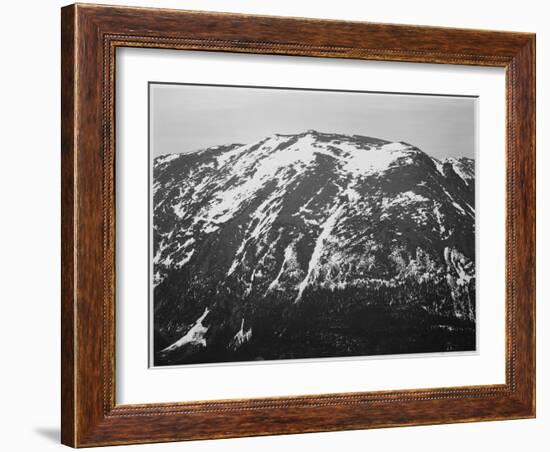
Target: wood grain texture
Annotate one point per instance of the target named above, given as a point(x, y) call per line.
point(67, 225)
point(90, 36)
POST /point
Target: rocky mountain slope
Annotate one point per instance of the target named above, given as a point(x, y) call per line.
point(312, 245)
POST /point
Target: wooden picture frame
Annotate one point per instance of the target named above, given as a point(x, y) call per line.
point(90, 35)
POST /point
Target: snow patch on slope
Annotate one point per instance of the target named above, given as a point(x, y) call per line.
point(326, 230)
point(166, 158)
point(241, 337)
point(403, 198)
point(464, 171)
point(439, 217)
point(195, 335)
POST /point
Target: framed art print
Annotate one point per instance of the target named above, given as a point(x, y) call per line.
point(279, 225)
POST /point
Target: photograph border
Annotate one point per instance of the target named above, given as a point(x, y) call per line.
point(90, 35)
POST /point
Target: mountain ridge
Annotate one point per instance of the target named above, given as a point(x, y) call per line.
point(289, 217)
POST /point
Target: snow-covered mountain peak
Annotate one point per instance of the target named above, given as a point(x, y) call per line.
point(359, 155)
point(291, 218)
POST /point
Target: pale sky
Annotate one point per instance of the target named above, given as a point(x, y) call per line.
point(186, 118)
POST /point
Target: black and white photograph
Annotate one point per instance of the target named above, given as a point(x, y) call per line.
point(290, 223)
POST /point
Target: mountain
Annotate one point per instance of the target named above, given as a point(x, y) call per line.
point(312, 245)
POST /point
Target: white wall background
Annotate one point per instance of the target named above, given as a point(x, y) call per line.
point(29, 190)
